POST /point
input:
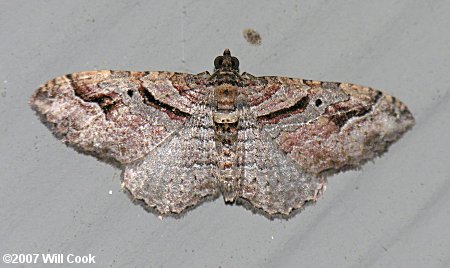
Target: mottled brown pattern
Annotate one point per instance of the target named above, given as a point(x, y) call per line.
point(182, 138)
point(252, 36)
point(349, 133)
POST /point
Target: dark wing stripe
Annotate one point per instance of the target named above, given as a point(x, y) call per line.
point(149, 99)
point(298, 107)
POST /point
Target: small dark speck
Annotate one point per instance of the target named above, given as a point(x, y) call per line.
point(252, 37)
point(318, 102)
point(130, 93)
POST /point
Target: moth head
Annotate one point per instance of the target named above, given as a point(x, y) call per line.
point(226, 63)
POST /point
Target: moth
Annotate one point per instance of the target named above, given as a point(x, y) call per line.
point(181, 138)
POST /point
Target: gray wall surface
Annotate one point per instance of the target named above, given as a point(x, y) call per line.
point(394, 212)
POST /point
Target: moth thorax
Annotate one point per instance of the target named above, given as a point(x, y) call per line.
point(225, 96)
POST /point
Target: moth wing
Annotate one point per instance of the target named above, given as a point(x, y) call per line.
point(117, 115)
point(179, 173)
point(271, 180)
point(327, 127)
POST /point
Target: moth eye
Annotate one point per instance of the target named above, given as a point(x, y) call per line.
point(318, 102)
point(235, 62)
point(130, 93)
point(218, 62)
